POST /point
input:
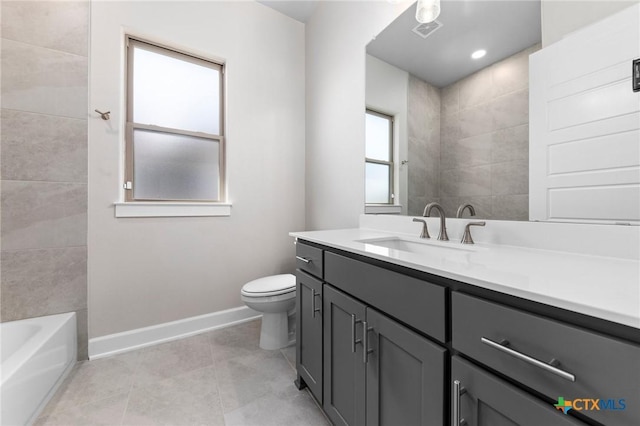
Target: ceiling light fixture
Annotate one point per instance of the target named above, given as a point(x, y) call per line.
point(427, 10)
point(478, 54)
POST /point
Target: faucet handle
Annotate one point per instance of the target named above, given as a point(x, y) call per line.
point(425, 231)
point(466, 237)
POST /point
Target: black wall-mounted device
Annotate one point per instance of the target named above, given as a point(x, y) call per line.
point(635, 78)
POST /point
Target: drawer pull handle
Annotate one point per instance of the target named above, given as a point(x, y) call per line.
point(313, 302)
point(354, 342)
point(458, 391)
point(303, 259)
point(550, 367)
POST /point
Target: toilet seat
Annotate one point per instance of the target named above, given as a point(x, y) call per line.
point(270, 286)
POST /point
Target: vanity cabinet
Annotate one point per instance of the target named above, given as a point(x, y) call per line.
point(377, 371)
point(309, 262)
point(309, 337)
point(482, 399)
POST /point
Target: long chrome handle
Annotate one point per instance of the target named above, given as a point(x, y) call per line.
point(365, 342)
point(457, 392)
point(303, 259)
point(550, 367)
point(313, 302)
point(354, 342)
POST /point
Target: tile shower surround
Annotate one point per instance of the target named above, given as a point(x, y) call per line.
point(43, 162)
point(482, 141)
point(216, 378)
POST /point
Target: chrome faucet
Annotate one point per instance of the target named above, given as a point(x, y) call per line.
point(466, 238)
point(425, 231)
point(442, 236)
point(472, 211)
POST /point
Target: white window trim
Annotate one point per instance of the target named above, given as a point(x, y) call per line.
point(383, 209)
point(170, 209)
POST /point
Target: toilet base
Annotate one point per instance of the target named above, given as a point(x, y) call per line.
point(275, 331)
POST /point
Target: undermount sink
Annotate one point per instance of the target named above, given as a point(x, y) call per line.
point(417, 245)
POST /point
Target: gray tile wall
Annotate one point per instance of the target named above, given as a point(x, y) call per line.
point(43, 161)
point(423, 110)
point(485, 141)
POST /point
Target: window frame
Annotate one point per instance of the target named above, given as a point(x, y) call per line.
point(130, 125)
point(390, 163)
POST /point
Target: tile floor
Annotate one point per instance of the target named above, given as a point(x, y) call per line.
point(217, 378)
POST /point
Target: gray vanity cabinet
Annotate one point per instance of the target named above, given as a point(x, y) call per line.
point(344, 369)
point(405, 375)
point(485, 400)
point(398, 381)
point(309, 332)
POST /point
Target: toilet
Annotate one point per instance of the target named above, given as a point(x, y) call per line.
point(274, 296)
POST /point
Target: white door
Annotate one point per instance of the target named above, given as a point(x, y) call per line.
point(585, 125)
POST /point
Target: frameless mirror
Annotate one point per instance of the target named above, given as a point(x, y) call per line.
point(460, 116)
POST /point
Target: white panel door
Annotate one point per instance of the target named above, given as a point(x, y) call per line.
point(585, 125)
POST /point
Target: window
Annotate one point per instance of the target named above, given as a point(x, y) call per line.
point(175, 126)
point(379, 158)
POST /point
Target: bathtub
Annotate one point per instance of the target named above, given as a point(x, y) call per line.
point(36, 354)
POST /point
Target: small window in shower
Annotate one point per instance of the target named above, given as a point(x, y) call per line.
point(378, 158)
point(175, 130)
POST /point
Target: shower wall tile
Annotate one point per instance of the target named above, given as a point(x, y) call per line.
point(62, 25)
point(42, 80)
point(476, 89)
point(472, 181)
point(473, 151)
point(475, 121)
point(82, 322)
point(511, 110)
point(43, 147)
point(510, 144)
point(43, 214)
point(450, 99)
point(511, 207)
point(482, 205)
point(43, 282)
point(510, 178)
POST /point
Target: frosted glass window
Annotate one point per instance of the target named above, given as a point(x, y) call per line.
point(378, 135)
point(177, 93)
point(377, 183)
point(174, 167)
point(175, 141)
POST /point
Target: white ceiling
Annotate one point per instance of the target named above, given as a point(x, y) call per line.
point(501, 27)
point(300, 10)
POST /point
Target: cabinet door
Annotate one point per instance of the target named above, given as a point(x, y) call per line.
point(309, 332)
point(344, 368)
point(405, 375)
point(488, 401)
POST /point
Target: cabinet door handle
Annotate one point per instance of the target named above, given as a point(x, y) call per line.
point(458, 391)
point(550, 367)
point(313, 302)
point(365, 342)
point(303, 259)
point(354, 342)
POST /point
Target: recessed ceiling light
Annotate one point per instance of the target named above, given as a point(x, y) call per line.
point(478, 54)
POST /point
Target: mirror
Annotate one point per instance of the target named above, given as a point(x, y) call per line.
point(460, 124)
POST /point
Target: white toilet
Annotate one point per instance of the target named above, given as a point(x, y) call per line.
point(274, 296)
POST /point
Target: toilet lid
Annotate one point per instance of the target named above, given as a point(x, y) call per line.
point(270, 286)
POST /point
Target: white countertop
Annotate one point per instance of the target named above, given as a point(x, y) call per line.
point(602, 287)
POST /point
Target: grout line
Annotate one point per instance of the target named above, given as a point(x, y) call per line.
point(46, 114)
point(51, 48)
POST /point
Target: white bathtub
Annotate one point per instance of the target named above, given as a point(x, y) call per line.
point(37, 354)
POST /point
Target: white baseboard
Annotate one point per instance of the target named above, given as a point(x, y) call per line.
point(113, 344)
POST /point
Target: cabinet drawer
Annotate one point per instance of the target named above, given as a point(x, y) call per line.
point(602, 367)
point(417, 303)
point(309, 259)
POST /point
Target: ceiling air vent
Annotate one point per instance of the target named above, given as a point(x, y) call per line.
point(425, 30)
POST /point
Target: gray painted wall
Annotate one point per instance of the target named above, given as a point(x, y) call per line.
point(44, 161)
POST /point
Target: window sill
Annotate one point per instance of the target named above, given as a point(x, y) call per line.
point(382, 209)
point(171, 209)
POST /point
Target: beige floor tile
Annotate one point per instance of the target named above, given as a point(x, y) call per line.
point(290, 354)
point(187, 399)
point(172, 359)
point(92, 381)
point(108, 411)
point(237, 341)
point(244, 379)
